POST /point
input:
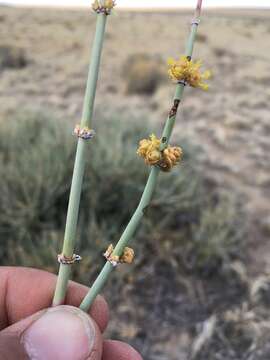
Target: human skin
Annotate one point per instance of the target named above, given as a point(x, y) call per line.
point(30, 329)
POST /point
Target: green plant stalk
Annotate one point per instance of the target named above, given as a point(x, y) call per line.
point(79, 166)
point(150, 185)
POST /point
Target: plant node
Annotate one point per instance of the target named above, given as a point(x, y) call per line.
point(84, 133)
point(186, 71)
point(64, 260)
point(103, 6)
point(149, 149)
point(126, 258)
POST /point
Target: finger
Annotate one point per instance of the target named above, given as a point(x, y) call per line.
point(117, 350)
point(25, 291)
point(62, 332)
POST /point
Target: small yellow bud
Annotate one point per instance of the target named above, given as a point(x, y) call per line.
point(153, 157)
point(109, 4)
point(149, 150)
point(103, 6)
point(171, 157)
point(95, 5)
point(128, 256)
point(143, 147)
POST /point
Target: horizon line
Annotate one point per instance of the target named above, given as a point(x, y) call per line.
point(211, 7)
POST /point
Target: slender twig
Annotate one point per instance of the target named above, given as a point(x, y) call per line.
point(79, 166)
point(198, 9)
point(152, 180)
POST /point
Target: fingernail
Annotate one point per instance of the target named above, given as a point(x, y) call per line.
point(63, 332)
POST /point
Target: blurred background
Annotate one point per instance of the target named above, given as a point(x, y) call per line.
point(199, 288)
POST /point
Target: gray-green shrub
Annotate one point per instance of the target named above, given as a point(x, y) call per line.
point(143, 74)
point(187, 221)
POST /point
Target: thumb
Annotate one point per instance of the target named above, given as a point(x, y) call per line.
point(63, 332)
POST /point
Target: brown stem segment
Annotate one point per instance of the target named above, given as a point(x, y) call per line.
point(174, 108)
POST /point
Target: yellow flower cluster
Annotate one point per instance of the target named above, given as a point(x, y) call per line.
point(149, 149)
point(103, 6)
point(126, 258)
point(189, 72)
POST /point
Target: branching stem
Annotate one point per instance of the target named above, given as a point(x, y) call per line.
point(151, 182)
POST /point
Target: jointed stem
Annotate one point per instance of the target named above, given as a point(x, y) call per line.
point(151, 183)
point(122, 243)
point(79, 166)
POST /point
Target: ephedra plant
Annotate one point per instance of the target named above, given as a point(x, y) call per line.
point(83, 131)
point(157, 153)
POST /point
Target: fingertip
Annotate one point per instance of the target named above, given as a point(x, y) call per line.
point(62, 332)
point(117, 350)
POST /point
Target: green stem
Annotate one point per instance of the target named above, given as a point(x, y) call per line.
point(79, 166)
point(150, 185)
point(122, 243)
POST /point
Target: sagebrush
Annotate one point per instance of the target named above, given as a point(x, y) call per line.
point(188, 221)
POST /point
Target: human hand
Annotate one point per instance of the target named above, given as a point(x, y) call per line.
point(29, 329)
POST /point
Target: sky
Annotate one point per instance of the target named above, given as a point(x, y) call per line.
point(147, 3)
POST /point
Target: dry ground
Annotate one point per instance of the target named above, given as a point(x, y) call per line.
point(231, 121)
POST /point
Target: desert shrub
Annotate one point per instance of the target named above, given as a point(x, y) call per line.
point(187, 222)
point(202, 38)
point(143, 74)
point(12, 57)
